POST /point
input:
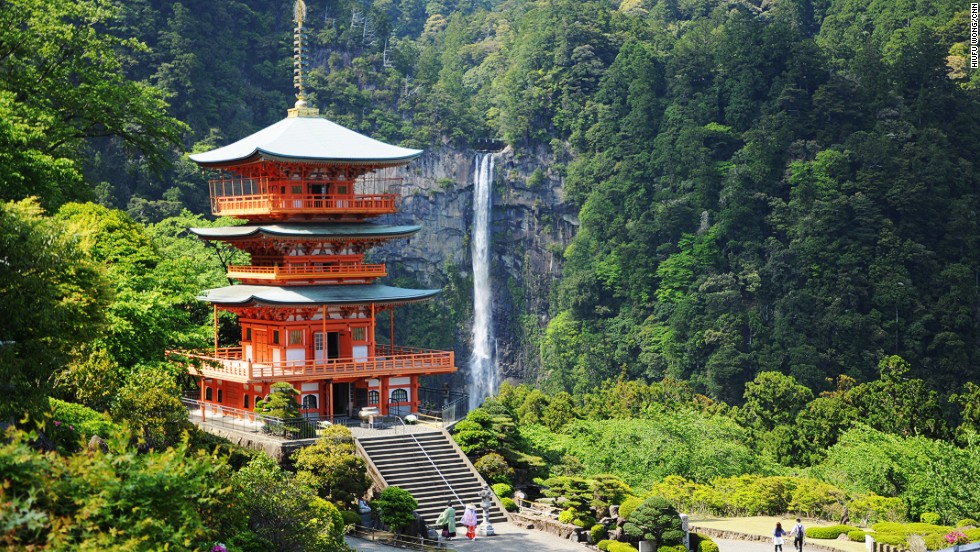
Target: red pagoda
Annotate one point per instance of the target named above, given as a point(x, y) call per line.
point(308, 303)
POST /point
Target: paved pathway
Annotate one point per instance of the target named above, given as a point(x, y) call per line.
point(511, 538)
point(508, 538)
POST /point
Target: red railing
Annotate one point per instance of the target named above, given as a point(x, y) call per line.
point(250, 196)
point(228, 364)
point(307, 271)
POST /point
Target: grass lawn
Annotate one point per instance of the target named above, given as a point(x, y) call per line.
point(763, 525)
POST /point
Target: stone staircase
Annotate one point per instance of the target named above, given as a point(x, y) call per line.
point(430, 467)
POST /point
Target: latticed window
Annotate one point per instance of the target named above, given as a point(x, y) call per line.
point(295, 337)
point(309, 401)
point(399, 395)
point(373, 397)
point(358, 334)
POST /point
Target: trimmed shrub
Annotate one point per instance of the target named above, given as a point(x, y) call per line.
point(672, 548)
point(509, 504)
point(892, 539)
point(830, 532)
point(597, 533)
point(603, 545)
point(973, 534)
point(616, 546)
point(567, 516)
point(584, 520)
point(856, 536)
point(502, 490)
point(350, 518)
point(707, 545)
point(966, 522)
point(935, 541)
point(931, 518)
point(909, 528)
point(628, 505)
point(494, 468)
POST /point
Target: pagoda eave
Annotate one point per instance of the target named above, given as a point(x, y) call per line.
point(339, 295)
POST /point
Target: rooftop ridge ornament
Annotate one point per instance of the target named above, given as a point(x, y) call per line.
point(301, 63)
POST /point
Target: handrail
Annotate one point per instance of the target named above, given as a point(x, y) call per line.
point(438, 471)
point(303, 269)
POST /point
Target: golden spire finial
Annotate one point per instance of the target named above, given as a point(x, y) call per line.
point(300, 63)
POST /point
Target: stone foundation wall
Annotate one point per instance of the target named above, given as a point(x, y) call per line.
point(546, 524)
point(735, 535)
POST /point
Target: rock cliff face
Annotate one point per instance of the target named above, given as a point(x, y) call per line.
point(531, 226)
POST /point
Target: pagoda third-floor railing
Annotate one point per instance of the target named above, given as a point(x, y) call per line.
point(306, 272)
point(282, 197)
point(229, 364)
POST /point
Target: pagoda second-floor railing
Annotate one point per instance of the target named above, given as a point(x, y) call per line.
point(229, 364)
point(233, 196)
point(308, 272)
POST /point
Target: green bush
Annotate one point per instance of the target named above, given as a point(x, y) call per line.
point(973, 534)
point(603, 545)
point(597, 533)
point(628, 505)
point(909, 528)
point(893, 539)
point(616, 546)
point(856, 536)
point(509, 504)
point(502, 490)
point(350, 518)
point(494, 468)
point(672, 548)
point(567, 516)
point(707, 545)
point(583, 521)
point(966, 522)
point(935, 541)
point(931, 518)
point(830, 532)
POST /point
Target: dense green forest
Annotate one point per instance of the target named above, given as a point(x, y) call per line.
point(778, 243)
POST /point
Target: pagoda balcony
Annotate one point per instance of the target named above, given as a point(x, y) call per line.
point(229, 364)
point(283, 198)
point(307, 272)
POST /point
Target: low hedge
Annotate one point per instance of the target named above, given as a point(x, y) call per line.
point(509, 504)
point(829, 532)
point(350, 518)
point(856, 536)
point(598, 533)
point(567, 516)
point(932, 518)
point(502, 490)
point(892, 539)
point(909, 528)
point(672, 548)
point(707, 546)
point(616, 546)
point(935, 541)
point(966, 522)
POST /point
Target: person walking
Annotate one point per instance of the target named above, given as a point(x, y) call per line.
point(469, 520)
point(447, 520)
point(777, 537)
point(798, 534)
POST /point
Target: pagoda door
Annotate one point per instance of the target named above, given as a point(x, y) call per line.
point(261, 344)
point(332, 346)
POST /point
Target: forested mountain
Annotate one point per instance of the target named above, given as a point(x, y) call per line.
point(782, 186)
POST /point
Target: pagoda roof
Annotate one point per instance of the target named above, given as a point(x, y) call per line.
point(241, 295)
point(307, 230)
point(310, 139)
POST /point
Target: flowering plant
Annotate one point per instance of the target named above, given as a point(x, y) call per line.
point(957, 537)
point(219, 547)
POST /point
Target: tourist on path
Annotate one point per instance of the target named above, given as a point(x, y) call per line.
point(447, 520)
point(798, 534)
point(469, 520)
point(777, 537)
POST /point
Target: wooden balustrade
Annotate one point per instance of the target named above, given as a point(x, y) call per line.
point(278, 204)
point(308, 271)
point(228, 364)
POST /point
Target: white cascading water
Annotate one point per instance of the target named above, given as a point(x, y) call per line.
point(483, 367)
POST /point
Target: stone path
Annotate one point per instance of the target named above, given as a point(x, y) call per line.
point(508, 538)
point(511, 538)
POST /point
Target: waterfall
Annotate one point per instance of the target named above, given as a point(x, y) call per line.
point(483, 367)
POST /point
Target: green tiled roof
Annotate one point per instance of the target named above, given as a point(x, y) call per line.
point(240, 295)
point(301, 230)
